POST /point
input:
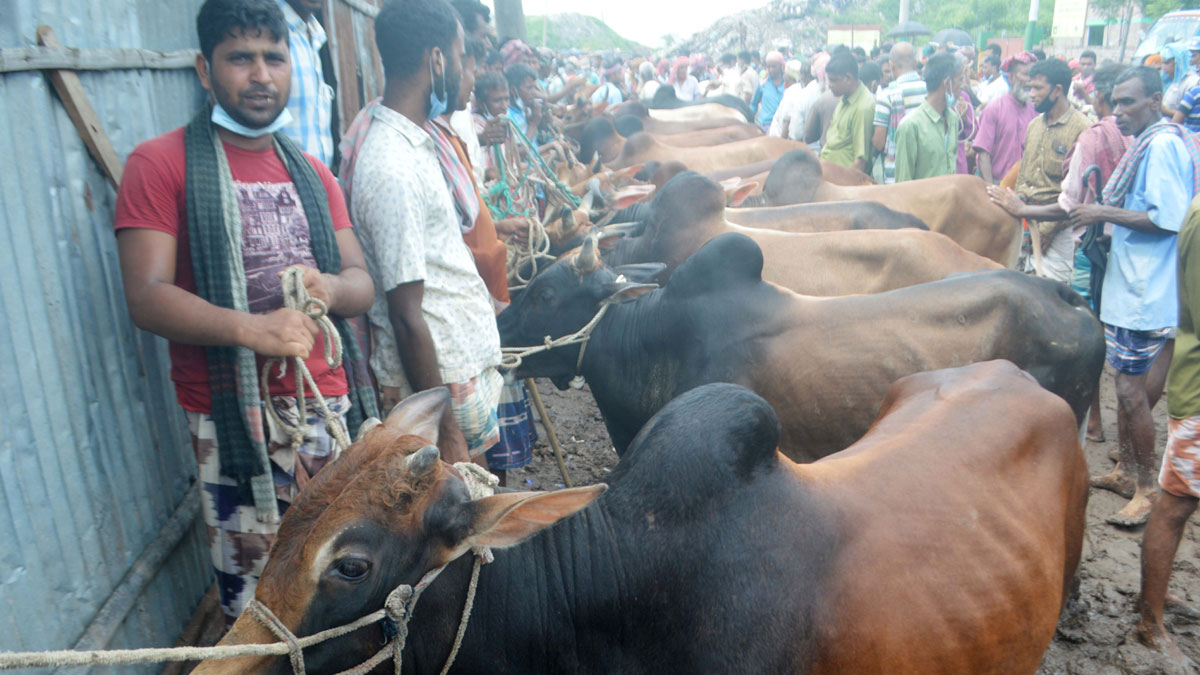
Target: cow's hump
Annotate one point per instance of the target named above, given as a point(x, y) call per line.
point(726, 261)
point(703, 443)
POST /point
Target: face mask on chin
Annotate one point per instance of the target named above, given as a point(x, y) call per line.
point(221, 117)
point(437, 106)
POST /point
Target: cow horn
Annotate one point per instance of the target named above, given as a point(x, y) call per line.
point(422, 462)
point(585, 262)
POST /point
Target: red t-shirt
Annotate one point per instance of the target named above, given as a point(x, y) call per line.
point(274, 236)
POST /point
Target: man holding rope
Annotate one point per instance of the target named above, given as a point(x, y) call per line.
point(228, 176)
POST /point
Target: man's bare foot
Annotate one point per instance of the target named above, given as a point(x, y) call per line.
point(1114, 454)
point(1155, 637)
point(1116, 482)
point(1135, 513)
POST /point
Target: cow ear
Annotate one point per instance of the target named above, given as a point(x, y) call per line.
point(420, 414)
point(739, 194)
point(626, 291)
point(629, 195)
point(510, 518)
point(628, 172)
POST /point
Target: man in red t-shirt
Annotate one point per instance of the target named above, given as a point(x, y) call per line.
point(245, 65)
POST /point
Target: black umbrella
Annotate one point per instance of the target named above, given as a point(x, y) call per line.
point(908, 28)
point(958, 36)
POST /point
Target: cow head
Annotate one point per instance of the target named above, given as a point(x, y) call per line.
point(385, 513)
point(560, 301)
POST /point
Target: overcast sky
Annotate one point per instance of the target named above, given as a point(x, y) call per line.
point(646, 21)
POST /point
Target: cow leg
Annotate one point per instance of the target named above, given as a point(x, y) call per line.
point(1159, 545)
point(1095, 426)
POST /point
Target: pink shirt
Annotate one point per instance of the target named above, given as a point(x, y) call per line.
point(1002, 132)
point(1100, 145)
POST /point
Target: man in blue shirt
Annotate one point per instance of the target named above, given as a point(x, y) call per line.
point(1139, 306)
point(311, 99)
point(770, 92)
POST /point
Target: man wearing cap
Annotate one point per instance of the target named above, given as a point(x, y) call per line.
point(1188, 112)
point(610, 91)
point(687, 87)
point(770, 92)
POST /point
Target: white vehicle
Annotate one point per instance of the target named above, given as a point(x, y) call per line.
point(1172, 27)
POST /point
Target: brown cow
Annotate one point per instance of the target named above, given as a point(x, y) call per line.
point(941, 543)
point(690, 209)
point(957, 205)
point(600, 137)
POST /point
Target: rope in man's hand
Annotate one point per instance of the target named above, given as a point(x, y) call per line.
point(295, 296)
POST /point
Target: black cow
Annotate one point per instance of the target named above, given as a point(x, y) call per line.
point(823, 363)
point(709, 553)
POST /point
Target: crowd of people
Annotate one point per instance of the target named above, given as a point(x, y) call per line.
point(412, 227)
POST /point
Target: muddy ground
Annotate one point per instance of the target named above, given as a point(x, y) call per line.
point(1098, 643)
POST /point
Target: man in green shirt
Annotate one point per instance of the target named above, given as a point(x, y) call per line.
point(927, 138)
point(848, 142)
point(1179, 478)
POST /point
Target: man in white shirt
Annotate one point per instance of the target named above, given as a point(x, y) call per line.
point(797, 100)
point(749, 74)
point(432, 321)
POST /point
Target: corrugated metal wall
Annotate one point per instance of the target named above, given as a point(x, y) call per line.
point(94, 451)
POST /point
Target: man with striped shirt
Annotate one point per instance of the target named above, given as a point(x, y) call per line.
point(903, 95)
point(311, 100)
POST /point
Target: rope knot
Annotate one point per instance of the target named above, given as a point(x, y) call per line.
point(397, 604)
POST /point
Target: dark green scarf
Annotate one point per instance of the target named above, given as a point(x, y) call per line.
point(220, 279)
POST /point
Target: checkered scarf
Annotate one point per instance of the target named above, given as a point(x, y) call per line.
point(1121, 181)
point(215, 237)
point(458, 178)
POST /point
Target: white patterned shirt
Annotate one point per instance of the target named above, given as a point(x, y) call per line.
point(311, 99)
point(405, 219)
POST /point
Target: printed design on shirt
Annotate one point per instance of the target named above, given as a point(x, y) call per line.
point(274, 236)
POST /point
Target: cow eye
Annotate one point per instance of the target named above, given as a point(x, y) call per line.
point(352, 569)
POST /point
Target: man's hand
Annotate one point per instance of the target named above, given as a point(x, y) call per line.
point(284, 332)
point(513, 229)
point(1087, 214)
point(316, 284)
point(1006, 199)
point(495, 131)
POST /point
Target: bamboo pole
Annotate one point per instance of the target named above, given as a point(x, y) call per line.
point(550, 433)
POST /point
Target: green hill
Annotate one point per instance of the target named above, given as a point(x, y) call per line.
point(576, 31)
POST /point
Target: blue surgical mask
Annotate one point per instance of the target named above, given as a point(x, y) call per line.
point(949, 101)
point(221, 118)
point(437, 106)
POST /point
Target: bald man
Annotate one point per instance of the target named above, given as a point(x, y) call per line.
point(770, 92)
point(892, 103)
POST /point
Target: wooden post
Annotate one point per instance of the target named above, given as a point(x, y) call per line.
point(549, 426)
point(75, 99)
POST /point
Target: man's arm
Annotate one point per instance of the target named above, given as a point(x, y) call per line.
point(755, 100)
point(984, 160)
point(157, 305)
point(812, 125)
point(413, 339)
point(1087, 214)
point(879, 139)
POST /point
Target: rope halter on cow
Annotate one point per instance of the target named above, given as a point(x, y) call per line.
point(512, 357)
point(397, 612)
point(295, 296)
point(398, 608)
